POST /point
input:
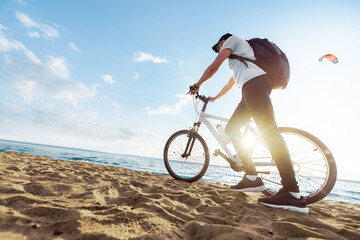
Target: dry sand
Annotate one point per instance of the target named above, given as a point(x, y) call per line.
point(42, 198)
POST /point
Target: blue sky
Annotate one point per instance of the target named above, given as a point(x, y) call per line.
point(112, 75)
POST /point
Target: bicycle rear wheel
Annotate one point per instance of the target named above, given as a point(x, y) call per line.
point(190, 166)
point(314, 165)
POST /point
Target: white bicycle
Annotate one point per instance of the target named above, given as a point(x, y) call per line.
point(186, 156)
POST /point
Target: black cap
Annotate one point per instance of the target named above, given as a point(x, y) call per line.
point(224, 37)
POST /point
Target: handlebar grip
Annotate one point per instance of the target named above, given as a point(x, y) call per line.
point(202, 97)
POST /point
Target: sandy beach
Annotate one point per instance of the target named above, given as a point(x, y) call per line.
point(42, 198)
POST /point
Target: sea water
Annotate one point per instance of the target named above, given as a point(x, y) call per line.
point(344, 190)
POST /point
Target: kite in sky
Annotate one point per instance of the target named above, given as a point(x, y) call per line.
point(331, 57)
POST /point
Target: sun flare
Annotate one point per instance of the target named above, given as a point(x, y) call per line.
point(249, 140)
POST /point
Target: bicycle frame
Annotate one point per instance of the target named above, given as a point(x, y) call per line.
point(204, 118)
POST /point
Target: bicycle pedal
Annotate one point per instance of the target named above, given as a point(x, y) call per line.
point(236, 167)
point(216, 152)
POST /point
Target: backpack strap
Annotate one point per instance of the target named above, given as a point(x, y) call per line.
point(241, 59)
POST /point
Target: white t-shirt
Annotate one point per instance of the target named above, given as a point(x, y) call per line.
point(242, 48)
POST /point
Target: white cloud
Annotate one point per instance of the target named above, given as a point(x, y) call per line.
point(2, 27)
point(58, 66)
point(26, 20)
point(136, 76)
point(33, 34)
point(86, 124)
point(168, 110)
point(73, 47)
point(21, 2)
point(51, 79)
point(142, 57)
point(11, 108)
point(116, 104)
point(35, 78)
point(8, 45)
point(95, 87)
point(108, 78)
point(27, 89)
point(29, 54)
point(47, 31)
point(48, 105)
point(181, 63)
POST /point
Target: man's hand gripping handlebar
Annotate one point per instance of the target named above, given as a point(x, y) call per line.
point(193, 89)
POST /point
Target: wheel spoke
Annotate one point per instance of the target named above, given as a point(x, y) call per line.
point(311, 164)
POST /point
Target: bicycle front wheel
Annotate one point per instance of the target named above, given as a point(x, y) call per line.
point(313, 163)
point(188, 166)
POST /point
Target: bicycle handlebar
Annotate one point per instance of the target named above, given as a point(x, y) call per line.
point(204, 99)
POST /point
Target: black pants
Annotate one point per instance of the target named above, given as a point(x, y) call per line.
point(256, 104)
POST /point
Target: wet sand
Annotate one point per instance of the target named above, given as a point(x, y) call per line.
point(42, 198)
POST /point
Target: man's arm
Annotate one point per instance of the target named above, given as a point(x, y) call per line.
point(223, 91)
point(211, 70)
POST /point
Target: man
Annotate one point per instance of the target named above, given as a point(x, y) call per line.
point(256, 87)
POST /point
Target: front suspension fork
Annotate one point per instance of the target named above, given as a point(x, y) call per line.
point(191, 140)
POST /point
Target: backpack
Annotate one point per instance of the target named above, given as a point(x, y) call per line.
point(271, 59)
